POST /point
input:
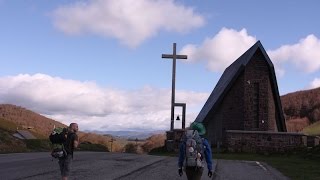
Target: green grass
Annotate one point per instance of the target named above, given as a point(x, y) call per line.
point(294, 166)
point(7, 125)
point(37, 145)
point(313, 129)
point(302, 164)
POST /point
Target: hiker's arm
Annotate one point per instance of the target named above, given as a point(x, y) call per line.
point(181, 155)
point(208, 154)
point(76, 141)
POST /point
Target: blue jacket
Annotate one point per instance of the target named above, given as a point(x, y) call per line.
point(207, 153)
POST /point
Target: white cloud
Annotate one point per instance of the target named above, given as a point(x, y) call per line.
point(305, 54)
point(221, 50)
point(226, 46)
point(94, 107)
point(129, 21)
point(314, 84)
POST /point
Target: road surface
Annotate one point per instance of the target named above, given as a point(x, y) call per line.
point(118, 166)
point(246, 170)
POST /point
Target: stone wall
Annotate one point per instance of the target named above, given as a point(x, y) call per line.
point(263, 141)
point(259, 113)
point(313, 141)
point(173, 139)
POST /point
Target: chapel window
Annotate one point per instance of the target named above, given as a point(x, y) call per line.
point(256, 108)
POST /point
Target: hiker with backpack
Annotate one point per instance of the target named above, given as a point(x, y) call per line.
point(194, 149)
point(64, 140)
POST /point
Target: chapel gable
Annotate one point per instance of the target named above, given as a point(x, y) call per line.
point(246, 98)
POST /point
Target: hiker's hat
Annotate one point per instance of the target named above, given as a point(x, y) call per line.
point(199, 127)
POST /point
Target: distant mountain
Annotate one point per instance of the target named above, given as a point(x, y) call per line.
point(131, 134)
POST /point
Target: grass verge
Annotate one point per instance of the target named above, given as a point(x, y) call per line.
point(302, 164)
point(293, 166)
point(313, 130)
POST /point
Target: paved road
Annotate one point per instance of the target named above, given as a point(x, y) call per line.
point(246, 170)
point(104, 166)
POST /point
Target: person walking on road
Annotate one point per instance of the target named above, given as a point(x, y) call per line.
point(194, 148)
point(71, 143)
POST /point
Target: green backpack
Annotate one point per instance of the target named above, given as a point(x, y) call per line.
point(58, 138)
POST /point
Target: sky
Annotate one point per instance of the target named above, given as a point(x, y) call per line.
point(98, 62)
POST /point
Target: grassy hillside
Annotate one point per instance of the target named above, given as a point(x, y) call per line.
point(9, 144)
point(301, 109)
point(21, 117)
point(313, 129)
point(13, 117)
point(7, 141)
point(8, 125)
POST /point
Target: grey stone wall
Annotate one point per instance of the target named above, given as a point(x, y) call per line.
point(173, 139)
point(263, 141)
point(257, 71)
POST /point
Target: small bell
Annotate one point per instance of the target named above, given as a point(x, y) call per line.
point(178, 118)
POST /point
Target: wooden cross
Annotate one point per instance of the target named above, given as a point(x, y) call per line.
point(173, 56)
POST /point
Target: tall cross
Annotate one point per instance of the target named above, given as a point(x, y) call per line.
point(173, 56)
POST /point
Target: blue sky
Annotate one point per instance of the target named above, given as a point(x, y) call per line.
point(98, 62)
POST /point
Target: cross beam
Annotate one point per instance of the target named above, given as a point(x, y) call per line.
point(174, 57)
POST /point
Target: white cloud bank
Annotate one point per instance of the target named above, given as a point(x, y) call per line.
point(305, 54)
point(221, 50)
point(228, 44)
point(129, 21)
point(94, 107)
point(314, 84)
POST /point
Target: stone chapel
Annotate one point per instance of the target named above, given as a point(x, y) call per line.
point(244, 112)
point(246, 98)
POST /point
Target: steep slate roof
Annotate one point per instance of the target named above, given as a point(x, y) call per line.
point(228, 78)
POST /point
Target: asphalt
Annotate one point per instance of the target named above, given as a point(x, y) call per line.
point(122, 166)
point(246, 170)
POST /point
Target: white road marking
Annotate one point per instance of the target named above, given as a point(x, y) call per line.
point(261, 166)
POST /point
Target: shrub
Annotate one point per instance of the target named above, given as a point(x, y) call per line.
point(130, 148)
point(38, 144)
point(92, 147)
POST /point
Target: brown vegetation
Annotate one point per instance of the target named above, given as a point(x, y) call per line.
point(14, 117)
point(302, 104)
point(297, 125)
point(142, 147)
point(153, 142)
point(301, 109)
point(41, 127)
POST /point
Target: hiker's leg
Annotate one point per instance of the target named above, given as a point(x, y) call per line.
point(198, 173)
point(66, 167)
point(61, 165)
point(190, 173)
